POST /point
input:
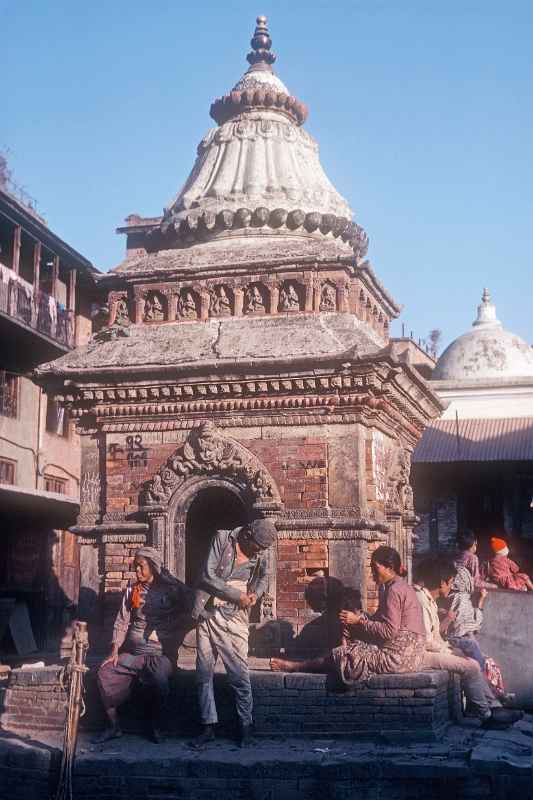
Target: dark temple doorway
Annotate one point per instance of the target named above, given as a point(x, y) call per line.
point(212, 509)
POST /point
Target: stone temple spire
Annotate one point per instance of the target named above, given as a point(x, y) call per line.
point(258, 172)
point(260, 57)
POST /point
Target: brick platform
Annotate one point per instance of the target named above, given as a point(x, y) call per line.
point(412, 706)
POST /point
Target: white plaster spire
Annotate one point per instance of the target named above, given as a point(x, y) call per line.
point(486, 311)
point(259, 156)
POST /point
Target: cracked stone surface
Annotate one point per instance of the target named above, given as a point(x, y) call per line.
point(282, 337)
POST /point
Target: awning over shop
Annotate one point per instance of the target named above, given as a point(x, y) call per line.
point(56, 510)
point(450, 440)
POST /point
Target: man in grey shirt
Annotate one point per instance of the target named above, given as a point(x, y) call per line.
point(232, 581)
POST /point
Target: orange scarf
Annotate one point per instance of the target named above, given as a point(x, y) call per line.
point(136, 595)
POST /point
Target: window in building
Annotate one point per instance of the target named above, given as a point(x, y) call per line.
point(7, 471)
point(9, 391)
point(56, 418)
point(53, 484)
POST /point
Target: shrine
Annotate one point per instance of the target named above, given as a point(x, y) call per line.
point(245, 369)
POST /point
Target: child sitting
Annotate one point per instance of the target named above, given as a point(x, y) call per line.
point(466, 557)
point(466, 616)
point(504, 572)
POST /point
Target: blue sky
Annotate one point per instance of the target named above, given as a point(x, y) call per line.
point(422, 110)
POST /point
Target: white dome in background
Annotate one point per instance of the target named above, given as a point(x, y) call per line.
point(487, 351)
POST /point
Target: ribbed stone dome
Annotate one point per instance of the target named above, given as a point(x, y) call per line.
point(488, 351)
point(259, 156)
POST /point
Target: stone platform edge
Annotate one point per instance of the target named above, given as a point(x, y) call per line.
point(418, 705)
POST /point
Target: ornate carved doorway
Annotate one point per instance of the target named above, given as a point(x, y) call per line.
point(212, 509)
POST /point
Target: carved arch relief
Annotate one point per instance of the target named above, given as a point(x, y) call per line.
point(209, 451)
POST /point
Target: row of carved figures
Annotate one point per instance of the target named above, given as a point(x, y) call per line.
point(255, 299)
point(222, 301)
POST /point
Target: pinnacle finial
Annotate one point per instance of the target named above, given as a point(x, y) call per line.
point(486, 311)
point(260, 57)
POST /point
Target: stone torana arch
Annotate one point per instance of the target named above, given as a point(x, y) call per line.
point(209, 451)
point(208, 458)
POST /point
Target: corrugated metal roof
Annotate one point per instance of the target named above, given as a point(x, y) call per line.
point(505, 439)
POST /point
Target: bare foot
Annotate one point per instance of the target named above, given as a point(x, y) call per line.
point(107, 735)
point(279, 665)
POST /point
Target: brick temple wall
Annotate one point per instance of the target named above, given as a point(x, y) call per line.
point(323, 473)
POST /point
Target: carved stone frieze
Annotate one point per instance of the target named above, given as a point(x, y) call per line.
point(339, 534)
point(89, 496)
point(209, 451)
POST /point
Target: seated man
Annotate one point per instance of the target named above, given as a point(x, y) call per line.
point(145, 638)
point(435, 580)
point(504, 572)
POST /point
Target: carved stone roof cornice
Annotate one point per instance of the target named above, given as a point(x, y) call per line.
point(373, 391)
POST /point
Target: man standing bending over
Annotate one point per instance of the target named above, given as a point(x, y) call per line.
point(232, 581)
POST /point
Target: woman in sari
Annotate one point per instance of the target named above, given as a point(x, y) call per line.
point(392, 640)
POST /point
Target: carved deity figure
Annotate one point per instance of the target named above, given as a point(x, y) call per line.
point(122, 316)
point(328, 298)
point(219, 302)
point(399, 492)
point(254, 302)
point(187, 305)
point(288, 298)
point(153, 308)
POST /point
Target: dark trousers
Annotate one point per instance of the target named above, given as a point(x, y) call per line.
point(115, 682)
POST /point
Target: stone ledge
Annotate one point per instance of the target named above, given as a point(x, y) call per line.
point(416, 706)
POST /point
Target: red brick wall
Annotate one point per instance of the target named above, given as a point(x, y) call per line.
point(299, 467)
point(299, 560)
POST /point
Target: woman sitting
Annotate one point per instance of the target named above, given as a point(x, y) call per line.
point(146, 632)
point(392, 640)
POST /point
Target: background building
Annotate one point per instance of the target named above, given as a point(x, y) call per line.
point(474, 467)
point(46, 290)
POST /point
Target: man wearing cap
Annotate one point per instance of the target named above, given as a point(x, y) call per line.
point(505, 572)
point(153, 616)
point(233, 579)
